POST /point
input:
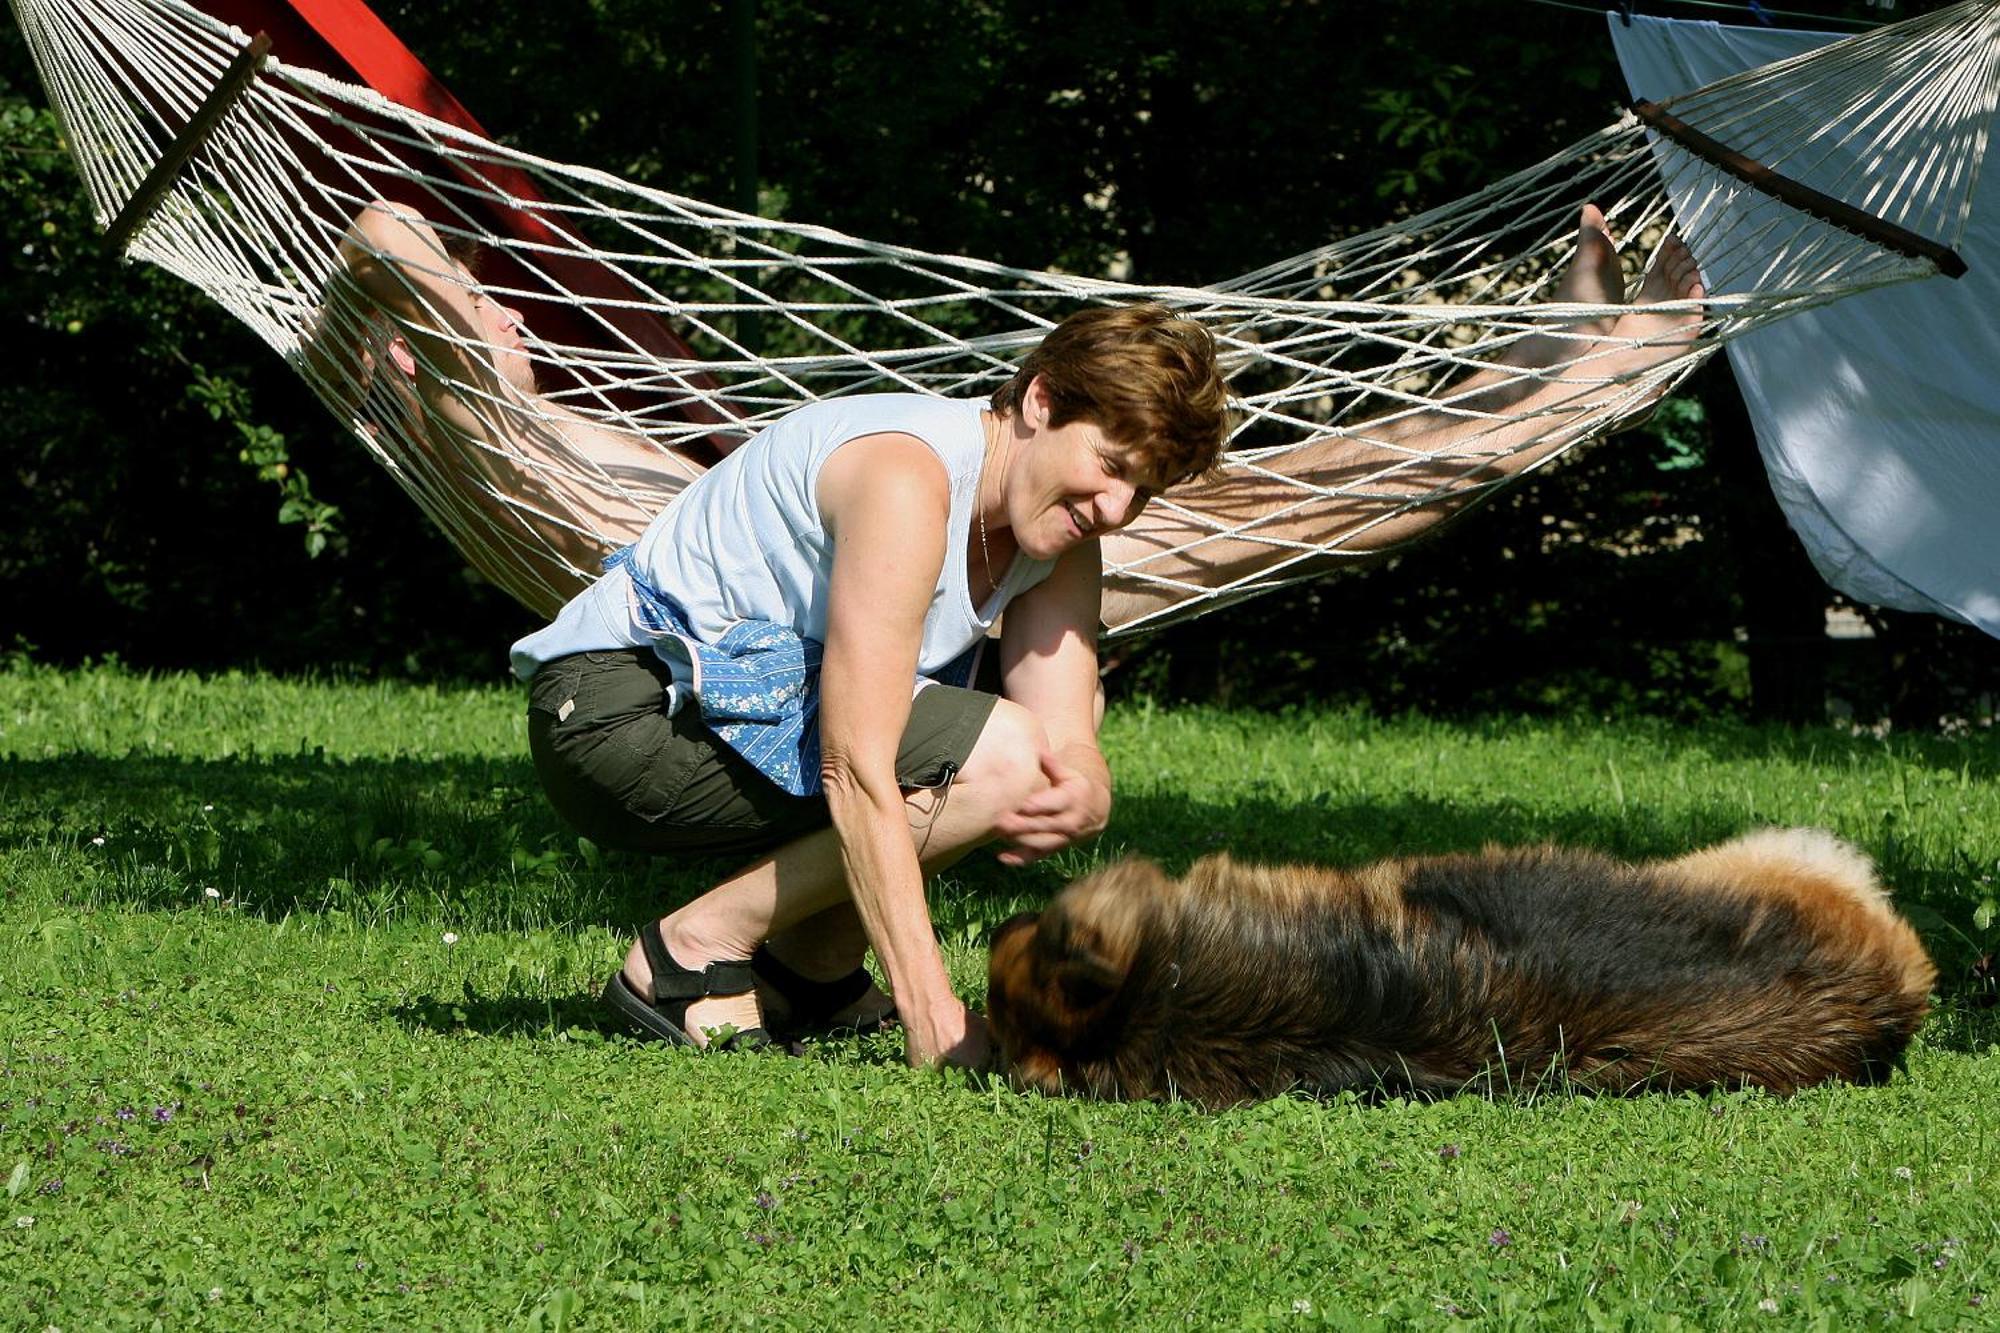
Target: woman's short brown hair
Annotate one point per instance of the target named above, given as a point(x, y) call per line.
point(1140, 373)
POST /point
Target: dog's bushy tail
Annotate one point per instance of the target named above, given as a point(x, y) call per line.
point(1850, 1007)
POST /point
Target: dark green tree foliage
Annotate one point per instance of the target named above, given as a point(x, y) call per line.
point(1176, 142)
point(168, 482)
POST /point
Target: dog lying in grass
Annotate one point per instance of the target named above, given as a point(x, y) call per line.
point(1774, 961)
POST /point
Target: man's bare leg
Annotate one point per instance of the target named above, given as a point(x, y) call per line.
point(1450, 452)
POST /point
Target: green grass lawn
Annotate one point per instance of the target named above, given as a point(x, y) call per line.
point(297, 1028)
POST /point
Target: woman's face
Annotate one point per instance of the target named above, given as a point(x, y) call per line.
point(1070, 484)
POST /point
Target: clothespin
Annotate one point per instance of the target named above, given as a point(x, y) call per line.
point(1625, 12)
point(1758, 12)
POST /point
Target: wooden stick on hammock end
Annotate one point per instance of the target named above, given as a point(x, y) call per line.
point(188, 142)
point(1797, 193)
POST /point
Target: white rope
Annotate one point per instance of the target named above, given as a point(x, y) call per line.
point(1380, 380)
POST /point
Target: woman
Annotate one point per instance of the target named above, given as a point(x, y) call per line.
point(675, 704)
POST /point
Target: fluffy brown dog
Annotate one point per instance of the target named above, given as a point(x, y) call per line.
point(1773, 961)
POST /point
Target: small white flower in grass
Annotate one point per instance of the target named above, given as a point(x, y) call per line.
point(1769, 1305)
point(97, 841)
point(450, 937)
point(24, 1221)
point(215, 1293)
point(1903, 1173)
point(211, 892)
point(1302, 1306)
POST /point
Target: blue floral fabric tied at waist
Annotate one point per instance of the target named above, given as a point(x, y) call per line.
point(757, 686)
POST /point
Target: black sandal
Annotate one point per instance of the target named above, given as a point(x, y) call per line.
point(812, 1004)
point(662, 1015)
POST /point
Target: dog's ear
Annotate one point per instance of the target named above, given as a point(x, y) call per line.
point(1091, 933)
point(1077, 965)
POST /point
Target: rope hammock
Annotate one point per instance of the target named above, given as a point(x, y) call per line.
point(1380, 382)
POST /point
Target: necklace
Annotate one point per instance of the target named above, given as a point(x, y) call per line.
point(985, 557)
point(979, 511)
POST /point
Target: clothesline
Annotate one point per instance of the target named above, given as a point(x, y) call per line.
point(1737, 9)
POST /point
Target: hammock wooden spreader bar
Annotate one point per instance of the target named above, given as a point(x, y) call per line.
point(1798, 194)
point(234, 82)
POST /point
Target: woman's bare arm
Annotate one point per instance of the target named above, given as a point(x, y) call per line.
point(885, 499)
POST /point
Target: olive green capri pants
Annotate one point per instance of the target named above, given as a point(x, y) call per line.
point(628, 775)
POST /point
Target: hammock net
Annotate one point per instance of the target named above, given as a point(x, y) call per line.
point(1380, 382)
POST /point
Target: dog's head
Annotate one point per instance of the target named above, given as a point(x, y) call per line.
point(1055, 978)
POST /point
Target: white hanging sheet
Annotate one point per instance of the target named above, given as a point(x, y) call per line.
point(1878, 417)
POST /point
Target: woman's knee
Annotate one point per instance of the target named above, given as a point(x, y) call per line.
point(1005, 766)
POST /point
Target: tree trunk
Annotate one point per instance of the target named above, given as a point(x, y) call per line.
point(1784, 599)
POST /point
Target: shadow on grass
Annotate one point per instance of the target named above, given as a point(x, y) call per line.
point(537, 1018)
point(540, 1018)
point(471, 841)
point(1732, 740)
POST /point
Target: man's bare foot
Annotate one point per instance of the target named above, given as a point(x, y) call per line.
point(1643, 337)
point(1672, 276)
point(1640, 338)
point(1593, 277)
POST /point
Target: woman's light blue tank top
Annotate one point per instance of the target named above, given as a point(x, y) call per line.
point(745, 543)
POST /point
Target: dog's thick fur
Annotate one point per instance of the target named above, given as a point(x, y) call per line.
point(1774, 961)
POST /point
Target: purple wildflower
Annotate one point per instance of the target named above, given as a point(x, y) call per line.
point(53, 1185)
point(126, 1113)
point(765, 1201)
point(1499, 1240)
point(1448, 1153)
point(162, 1114)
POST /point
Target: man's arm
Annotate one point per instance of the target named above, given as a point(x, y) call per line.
point(400, 265)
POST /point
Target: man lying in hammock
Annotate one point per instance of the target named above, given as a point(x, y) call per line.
point(674, 705)
point(559, 489)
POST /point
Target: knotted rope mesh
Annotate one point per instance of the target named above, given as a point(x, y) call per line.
point(1380, 382)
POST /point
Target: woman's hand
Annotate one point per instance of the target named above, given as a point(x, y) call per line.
point(949, 1035)
point(1074, 807)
